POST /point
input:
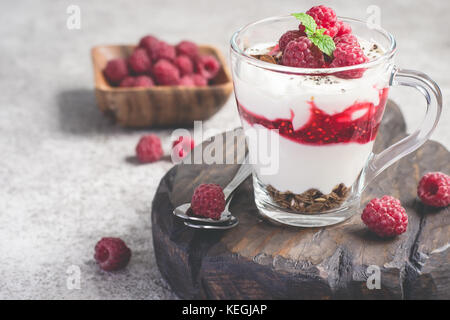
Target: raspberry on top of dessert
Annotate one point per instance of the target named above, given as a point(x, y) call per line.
point(321, 41)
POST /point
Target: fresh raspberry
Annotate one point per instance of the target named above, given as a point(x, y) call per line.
point(343, 28)
point(139, 62)
point(199, 80)
point(208, 201)
point(112, 254)
point(325, 18)
point(166, 73)
point(288, 37)
point(146, 41)
point(207, 66)
point(184, 64)
point(149, 149)
point(187, 48)
point(127, 82)
point(386, 216)
point(163, 51)
point(302, 53)
point(182, 146)
point(116, 70)
point(187, 81)
point(150, 44)
point(348, 55)
point(348, 39)
point(434, 189)
point(144, 82)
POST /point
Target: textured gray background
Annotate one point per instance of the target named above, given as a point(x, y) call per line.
point(64, 176)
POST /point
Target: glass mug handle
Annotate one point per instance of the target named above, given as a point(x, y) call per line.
point(425, 85)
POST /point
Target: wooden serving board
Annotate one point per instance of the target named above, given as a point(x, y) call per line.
point(257, 260)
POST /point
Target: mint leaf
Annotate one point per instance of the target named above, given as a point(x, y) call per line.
point(321, 31)
point(324, 42)
point(307, 21)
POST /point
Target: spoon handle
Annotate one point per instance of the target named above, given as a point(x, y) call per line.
point(244, 171)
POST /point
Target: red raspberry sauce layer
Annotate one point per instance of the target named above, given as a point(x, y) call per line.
point(323, 128)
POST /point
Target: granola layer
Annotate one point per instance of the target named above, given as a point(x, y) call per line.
point(311, 201)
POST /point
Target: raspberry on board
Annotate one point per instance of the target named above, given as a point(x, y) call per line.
point(149, 149)
point(187, 48)
point(288, 36)
point(207, 66)
point(112, 254)
point(386, 217)
point(139, 62)
point(208, 201)
point(166, 73)
point(302, 53)
point(434, 189)
point(116, 70)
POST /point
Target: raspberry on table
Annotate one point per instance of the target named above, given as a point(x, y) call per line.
point(325, 17)
point(386, 216)
point(187, 48)
point(116, 70)
point(149, 149)
point(127, 82)
point(139, 62)
point(166, 73)
point(434, 189)
point(288, 37)
point(199, 80)
point(343, 28)
point(184, 64)
point(163, 50)
point(182, 146)
point(143, 81)
point(302, 53)
point(348, 55)
point(208, 201)
point(207, 66)
point(112, 254)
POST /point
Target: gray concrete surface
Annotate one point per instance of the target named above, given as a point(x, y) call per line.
point(65, 181)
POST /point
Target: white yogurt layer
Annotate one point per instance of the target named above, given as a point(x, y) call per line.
point(276, 95)
point(301, 167)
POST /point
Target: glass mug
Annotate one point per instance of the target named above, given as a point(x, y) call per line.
point(325, 124)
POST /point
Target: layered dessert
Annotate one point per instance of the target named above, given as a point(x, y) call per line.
point(326, 123)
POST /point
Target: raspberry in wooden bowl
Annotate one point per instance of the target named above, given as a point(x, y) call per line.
point(150, 93)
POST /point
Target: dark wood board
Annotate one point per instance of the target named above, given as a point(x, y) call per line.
point(257, 260)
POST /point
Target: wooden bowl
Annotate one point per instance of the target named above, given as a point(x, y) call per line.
point(159, 105)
